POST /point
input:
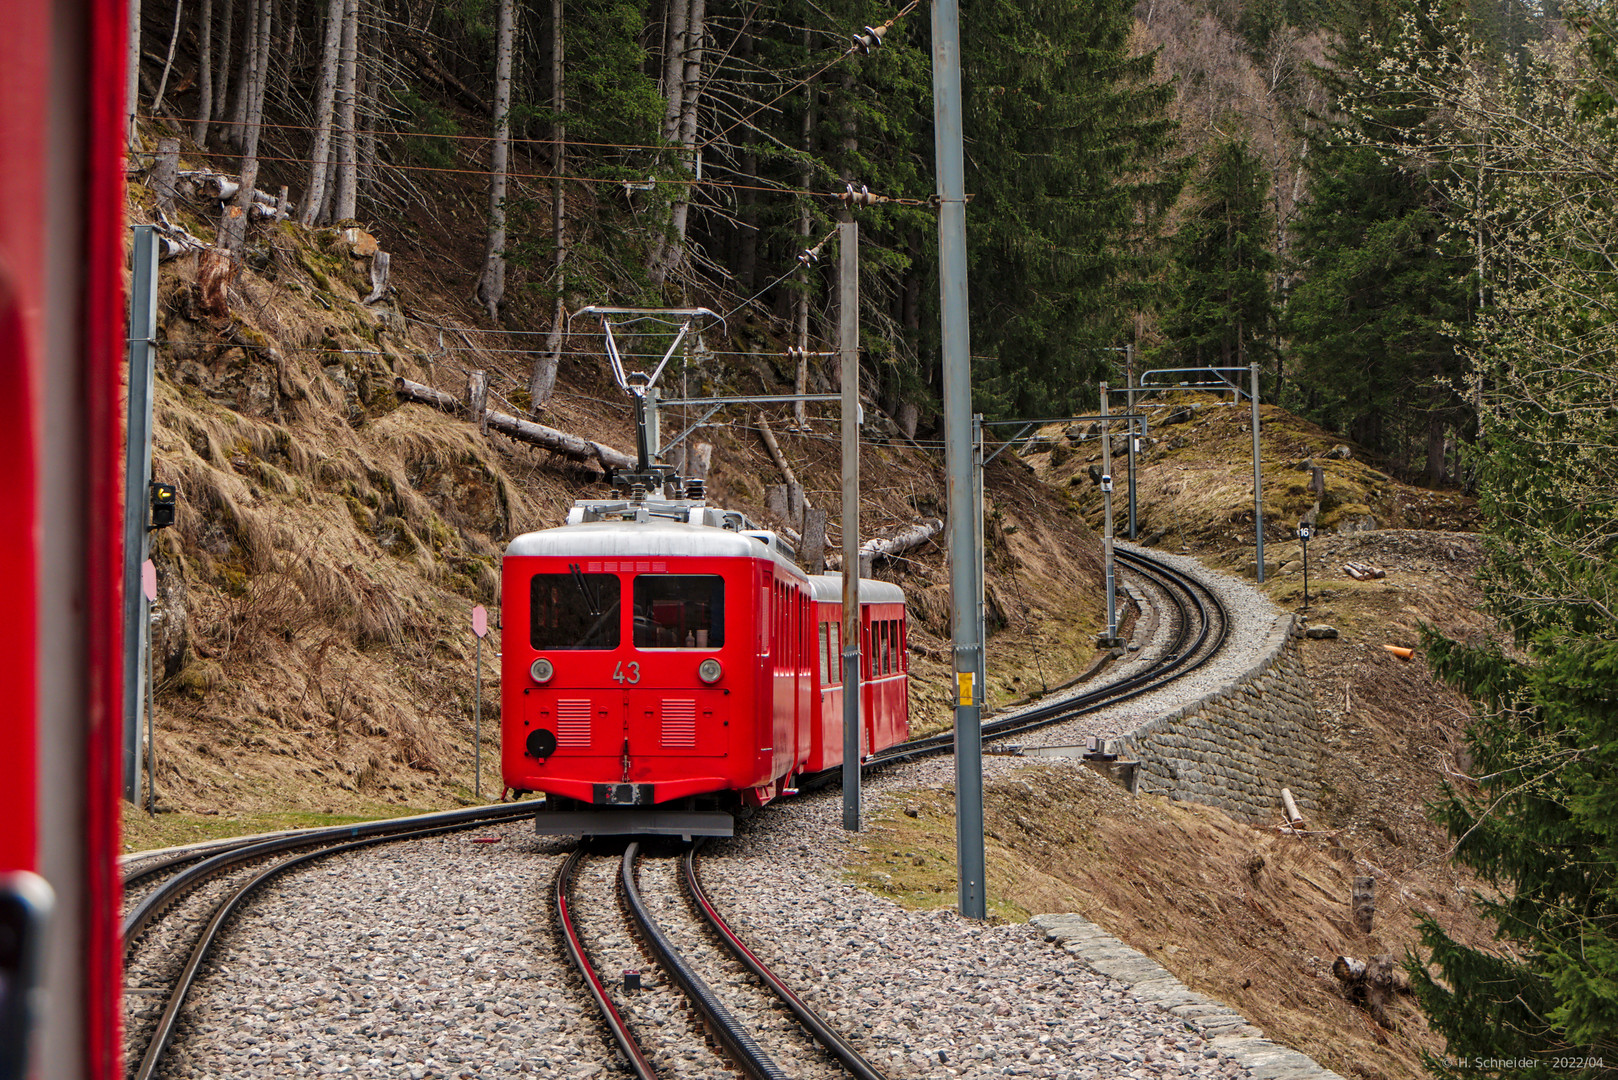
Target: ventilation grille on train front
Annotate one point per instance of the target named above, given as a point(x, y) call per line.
point(680, 724)
point(573, 723)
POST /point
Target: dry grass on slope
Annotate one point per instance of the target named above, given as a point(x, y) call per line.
point(1243, 912)
point(311, 636)
point(1249, 916)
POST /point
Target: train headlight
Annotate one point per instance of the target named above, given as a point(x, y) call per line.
point(542, 670)
point(709, 670)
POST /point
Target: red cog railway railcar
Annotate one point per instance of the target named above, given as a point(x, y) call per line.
point(664, 664)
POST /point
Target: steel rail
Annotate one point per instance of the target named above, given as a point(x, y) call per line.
point(1180, 660)
point(592, 979)
point(812, 1021)
point(744, 1050)
point(171, 890)
point(199, 950)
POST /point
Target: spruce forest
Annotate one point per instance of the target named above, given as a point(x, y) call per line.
point(1401, 210)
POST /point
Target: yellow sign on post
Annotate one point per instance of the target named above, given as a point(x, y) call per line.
point(964, 681)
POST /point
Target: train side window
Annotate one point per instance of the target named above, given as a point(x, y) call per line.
point(904, 645)
point(573, 611)
point(836, 653)
point(679, 611)
point(825, 654)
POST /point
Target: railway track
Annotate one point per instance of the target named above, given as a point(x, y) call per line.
point(749, 1015)
point(169, 931)
point(1201, 626)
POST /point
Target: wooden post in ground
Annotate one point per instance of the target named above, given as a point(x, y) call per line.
point(477, 400)
point(1363, 903)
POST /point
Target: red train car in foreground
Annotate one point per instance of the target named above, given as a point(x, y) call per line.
point(62, 345)
point(664, 664)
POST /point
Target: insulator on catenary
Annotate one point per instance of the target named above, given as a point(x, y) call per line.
point(862, 197)
point(871, 39)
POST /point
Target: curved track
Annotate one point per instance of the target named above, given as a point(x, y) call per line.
point(741, 1047)
point(235, 867)
point(1202, 626)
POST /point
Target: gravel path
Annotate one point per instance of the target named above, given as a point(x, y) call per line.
point(1251, 615)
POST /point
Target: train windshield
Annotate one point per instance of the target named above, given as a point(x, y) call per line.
point(573, 611)
point(679, 611)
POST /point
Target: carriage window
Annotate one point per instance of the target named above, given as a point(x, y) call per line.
point(825, 654)
point(573, 611)
point(836, 654)
point(679, 611)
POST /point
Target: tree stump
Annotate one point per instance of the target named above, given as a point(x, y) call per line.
point(1371, 984)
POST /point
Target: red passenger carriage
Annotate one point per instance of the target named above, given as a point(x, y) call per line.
point(665, 663)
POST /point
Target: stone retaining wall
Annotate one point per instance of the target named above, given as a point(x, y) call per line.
point(1236, 748)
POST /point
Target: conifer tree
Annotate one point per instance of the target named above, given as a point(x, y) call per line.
point(1222, 309)
point(1069, 157)
point(1538, 818)
point(1385, 295)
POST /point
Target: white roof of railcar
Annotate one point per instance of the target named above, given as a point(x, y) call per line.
point(642, 540)
point(828, 589)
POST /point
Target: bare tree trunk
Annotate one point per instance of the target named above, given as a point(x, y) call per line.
point(132, 85)
point(258, 47)
point(800, 304)
point(199, 129)
point(370, 76)
point(325, 106)
point(692, 90)
point(221, 90)
point(346, 190)
point(744, 249)
point(543, 380)
point(236, 133)
point(492, 282)
point(674, 66)
point(168, 61)
point(289, 42)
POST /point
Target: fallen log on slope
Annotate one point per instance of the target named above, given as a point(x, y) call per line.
point(912, 536)
point(1364, 571)
point(569, 446)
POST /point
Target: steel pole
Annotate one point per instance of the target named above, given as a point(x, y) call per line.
point(1129, 374)
point(1305, 575)
point(848, 281)
point(1258, 479)
point(1106, 528)
point(477, 726)
point(137, 475)
point(957, 365)
point(981, 548)
point(151, 718)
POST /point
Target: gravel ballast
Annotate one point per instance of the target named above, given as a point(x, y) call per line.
point(436, 958)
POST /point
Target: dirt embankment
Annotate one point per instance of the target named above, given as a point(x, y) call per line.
point(1248, 913)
